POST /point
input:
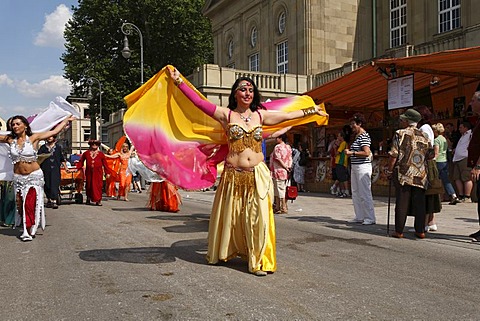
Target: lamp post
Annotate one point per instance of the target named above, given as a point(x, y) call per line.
point(127, 29)
point(89, 96)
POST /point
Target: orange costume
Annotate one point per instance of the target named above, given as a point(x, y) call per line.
point(114, 166)
point(124, 176)
point(110, 181)
point(163, 197)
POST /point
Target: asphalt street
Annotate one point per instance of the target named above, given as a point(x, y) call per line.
point(122, 261)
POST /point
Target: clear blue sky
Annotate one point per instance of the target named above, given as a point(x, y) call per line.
point(31, 38)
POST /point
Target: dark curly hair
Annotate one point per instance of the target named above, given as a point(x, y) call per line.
point(255, 105)
point(359, 119)
point(28, 130)
point(94, 141)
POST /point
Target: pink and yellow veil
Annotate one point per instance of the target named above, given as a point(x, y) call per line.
point(177, 140)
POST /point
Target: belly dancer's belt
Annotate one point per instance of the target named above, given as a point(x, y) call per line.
point(240, 169)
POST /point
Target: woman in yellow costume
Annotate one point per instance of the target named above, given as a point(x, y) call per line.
point(241, 223)
point(184, 146)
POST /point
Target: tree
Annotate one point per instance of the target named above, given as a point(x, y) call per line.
point(174, 32)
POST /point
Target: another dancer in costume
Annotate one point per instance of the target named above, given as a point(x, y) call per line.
point(110, 187)
point(28, 177)
point(124, 175)
point(241, 223)
point(163, 197)
point(95, 165)
point(51, 170)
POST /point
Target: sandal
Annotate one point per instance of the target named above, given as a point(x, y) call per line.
point(260, 273)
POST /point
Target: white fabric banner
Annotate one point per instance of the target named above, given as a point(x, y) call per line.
point(135, 165)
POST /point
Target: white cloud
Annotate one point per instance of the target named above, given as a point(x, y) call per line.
point(53, 28)
point(41, 92)
point(5, 80)
point(53, 86)
point(6, 112)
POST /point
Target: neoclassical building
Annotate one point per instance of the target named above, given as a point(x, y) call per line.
point(310, 37)
point(289, 36)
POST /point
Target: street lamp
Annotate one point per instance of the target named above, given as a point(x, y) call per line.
point(89, 96)
point(127, 29)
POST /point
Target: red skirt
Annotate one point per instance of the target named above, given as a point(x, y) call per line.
point(163, 197)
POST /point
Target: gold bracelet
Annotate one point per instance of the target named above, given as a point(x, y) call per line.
point(309, 111)
point(178, 81)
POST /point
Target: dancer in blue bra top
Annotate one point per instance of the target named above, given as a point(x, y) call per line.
point(28, 177)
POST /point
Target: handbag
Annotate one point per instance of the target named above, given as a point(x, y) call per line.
point(292, 193)
point(434, 183)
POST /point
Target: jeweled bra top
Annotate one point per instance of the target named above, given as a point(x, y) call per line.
point(240, 139)
point(27, 154)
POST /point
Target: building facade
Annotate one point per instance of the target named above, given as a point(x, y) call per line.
point(314, 37)
point(74, 140)
point(289, 36)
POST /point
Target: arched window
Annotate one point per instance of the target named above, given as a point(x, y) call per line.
point(253, 37)
point(230, 49)
point(281, 22)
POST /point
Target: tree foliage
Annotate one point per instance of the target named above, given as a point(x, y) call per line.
point(174, 32)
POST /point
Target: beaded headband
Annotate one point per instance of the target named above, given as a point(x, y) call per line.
point(242, 85)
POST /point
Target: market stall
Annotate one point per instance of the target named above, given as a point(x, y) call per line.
point(444, 81)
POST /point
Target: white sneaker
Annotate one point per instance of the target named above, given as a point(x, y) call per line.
point(333, 190)
point(355, 221)
point(27, 239)
point(368, 222)
point(431, 228)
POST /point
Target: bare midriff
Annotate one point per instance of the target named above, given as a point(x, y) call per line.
point(25, 168)
point(246, 159)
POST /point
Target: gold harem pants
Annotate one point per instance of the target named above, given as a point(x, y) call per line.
point(242, 223)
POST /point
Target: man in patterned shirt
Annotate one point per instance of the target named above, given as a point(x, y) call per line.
point(280, 165)
point(407, 158)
